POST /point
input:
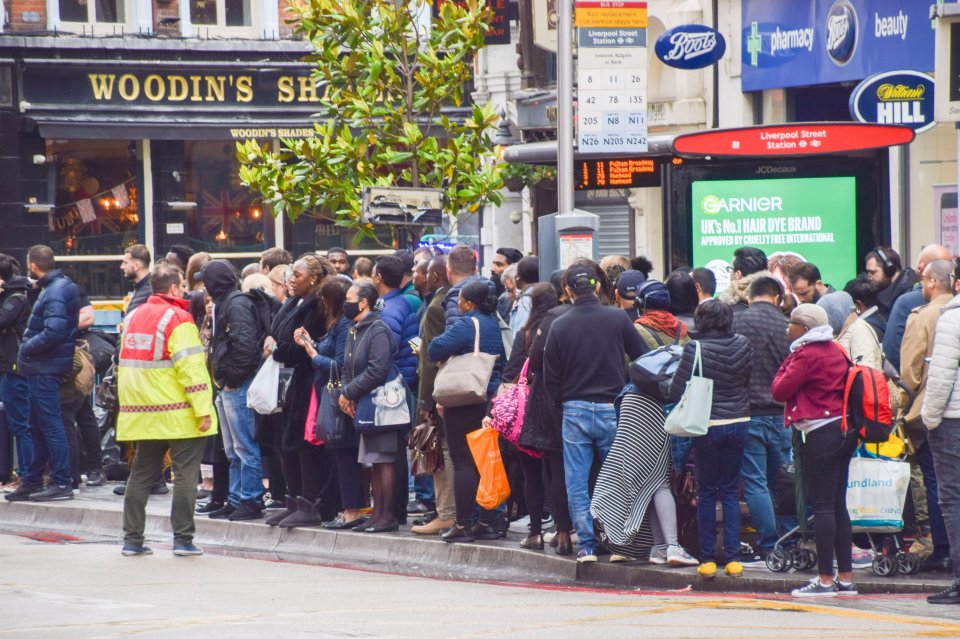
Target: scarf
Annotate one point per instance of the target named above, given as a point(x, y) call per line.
point(663, 322)
point(819, 334)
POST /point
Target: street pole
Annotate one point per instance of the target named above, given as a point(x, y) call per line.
point(565, 107)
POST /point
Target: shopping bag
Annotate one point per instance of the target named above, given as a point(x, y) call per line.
point(310, 434)
point(876, 491)
point(494, 489)
point(263, 395)
point(691, 416)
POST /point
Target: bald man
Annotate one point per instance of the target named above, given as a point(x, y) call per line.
point(900, 310)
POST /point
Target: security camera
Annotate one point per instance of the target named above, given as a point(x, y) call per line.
point(516, 216)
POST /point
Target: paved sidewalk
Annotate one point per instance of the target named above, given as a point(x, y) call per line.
point(97, 512)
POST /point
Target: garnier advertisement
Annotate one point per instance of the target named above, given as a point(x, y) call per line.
point(812, 218)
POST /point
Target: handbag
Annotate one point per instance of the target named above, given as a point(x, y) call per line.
point(691, 416)
point(385, 408)
point(426, 453)
point(330, 419)
point(463, 380)
point(310, 434)
point(508, 409)
point(106, 397)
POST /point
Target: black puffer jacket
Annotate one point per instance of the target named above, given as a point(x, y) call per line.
point(765, 327)
point(15, 308)
point(727, 360)
point(235, 352)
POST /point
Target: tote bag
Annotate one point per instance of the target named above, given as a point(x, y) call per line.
point(330, 419)
point(463, 380)
point(876, 492)
point(691, 416)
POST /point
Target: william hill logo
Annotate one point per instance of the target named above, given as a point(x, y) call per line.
point(900, 104)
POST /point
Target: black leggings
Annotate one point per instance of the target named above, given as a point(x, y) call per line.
point(91, 457)
point(825, 456)
point(457, 422)
point(534, 492)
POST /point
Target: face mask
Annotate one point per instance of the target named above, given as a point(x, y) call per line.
point(351, 310)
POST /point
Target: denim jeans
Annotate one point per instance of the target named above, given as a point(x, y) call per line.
point(938, 531)
point(944, 442)
point(51, 444)
point(15, 395)
point(717, 457)
point(761, 460)
point(588, 427)
point(243, 452)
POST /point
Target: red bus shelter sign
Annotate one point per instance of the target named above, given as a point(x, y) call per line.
point(792, 139)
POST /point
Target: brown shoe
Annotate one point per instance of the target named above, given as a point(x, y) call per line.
point(435, 527)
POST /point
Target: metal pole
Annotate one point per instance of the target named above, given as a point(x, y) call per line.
point(565, 107)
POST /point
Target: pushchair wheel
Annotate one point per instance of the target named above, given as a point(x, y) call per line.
point(778, 560)
point(884, 566)
point(908, 563)
point(798, 558)
point(809, 559)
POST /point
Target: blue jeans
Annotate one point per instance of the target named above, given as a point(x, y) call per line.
point(243, 452)
point(938, 529)
point(587, 427)
point(944, 443)
point(51, 444)
point(761, 460)
point(15, 395)
point(716, 457)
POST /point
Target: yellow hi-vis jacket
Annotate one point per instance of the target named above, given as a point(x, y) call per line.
point(163, 383)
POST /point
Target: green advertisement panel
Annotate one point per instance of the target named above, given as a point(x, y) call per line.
point(812, 218)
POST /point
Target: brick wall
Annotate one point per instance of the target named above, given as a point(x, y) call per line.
point(26, 15)
point(166, 9)
point(286, 30)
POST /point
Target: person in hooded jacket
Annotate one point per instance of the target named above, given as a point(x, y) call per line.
point(369, 362)
point(312, 494)
point(726, 359)
point(235, 358)
point(478, 306)
point(15, 308)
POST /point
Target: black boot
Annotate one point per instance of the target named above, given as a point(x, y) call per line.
point(291, 508)
point(307, 515)
point(949, 596)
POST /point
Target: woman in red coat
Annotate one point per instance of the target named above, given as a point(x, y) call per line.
point(811, 383)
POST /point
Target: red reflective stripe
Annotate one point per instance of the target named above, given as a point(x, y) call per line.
point(156, 408)
point(196, 389)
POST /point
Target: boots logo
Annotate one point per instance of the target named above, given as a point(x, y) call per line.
point(690, 46)
point(841, 29)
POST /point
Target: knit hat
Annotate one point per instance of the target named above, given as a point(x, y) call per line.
point(628, 282)
point(809, 315)
point(653, 295)
point(582, 278)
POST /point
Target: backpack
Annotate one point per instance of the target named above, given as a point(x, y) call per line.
point(80, 380)
point(653, 371)
point(866, 404)
point(508, 408)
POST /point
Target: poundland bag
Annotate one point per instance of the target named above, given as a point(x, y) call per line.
point(876, 491)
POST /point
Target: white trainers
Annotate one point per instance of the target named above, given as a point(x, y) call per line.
point(658, 555)
point(521, 525)
point(676, 556)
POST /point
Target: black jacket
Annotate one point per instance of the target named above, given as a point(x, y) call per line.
point(294, 313)
point(543, 420)
point(14, 312)
point(369, 359)
point(727, 361)
point(235, 352)
point(584, 356)
point(765, 327)
point(886, 297)
point(141, 293)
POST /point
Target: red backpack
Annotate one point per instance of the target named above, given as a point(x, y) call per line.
point(866, 404)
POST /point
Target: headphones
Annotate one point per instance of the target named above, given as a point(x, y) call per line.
point(889, 268)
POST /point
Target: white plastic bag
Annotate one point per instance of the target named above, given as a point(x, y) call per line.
point(876, 491)
point(263, 395)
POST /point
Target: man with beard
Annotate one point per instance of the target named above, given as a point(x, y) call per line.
point(505, 257)
point(136, 268)
point(806, 283)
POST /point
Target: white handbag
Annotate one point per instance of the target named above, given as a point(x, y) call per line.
point(390, 401)
point(691, 416)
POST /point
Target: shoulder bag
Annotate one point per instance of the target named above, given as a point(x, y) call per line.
point(426, 453)
point(330, 426)
point(463, 380)
point(387, 407)
point(691, 416)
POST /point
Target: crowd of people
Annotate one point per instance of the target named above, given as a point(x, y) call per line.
point(593, 470)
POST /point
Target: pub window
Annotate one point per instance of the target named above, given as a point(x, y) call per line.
point(92, 11)
point(221, 13)
point(227, 217)
point(97, 210)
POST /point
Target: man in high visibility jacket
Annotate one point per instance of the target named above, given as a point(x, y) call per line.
point(166, 401)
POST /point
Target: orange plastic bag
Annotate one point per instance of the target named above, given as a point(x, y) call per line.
point(494, 489)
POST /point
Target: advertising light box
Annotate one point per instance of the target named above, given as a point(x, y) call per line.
point(814, 218)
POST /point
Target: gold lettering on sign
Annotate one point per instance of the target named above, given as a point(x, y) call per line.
point(195, 86)
point(308, 91)
point(178, 88)
point(102, 85)
point(215, 88)
point(244, 88)
point(285, 89)
point(154, 88)
point(129, 87)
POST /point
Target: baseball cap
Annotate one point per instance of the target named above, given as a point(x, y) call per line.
point(582, 278)
point(629, 282)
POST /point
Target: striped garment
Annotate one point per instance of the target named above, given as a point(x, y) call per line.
point(637, 464)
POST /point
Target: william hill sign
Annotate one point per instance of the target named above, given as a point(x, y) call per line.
point(193, 88)
point(895, 97)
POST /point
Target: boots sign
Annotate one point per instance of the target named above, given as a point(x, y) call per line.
point(690, 46)
point(895, 97)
